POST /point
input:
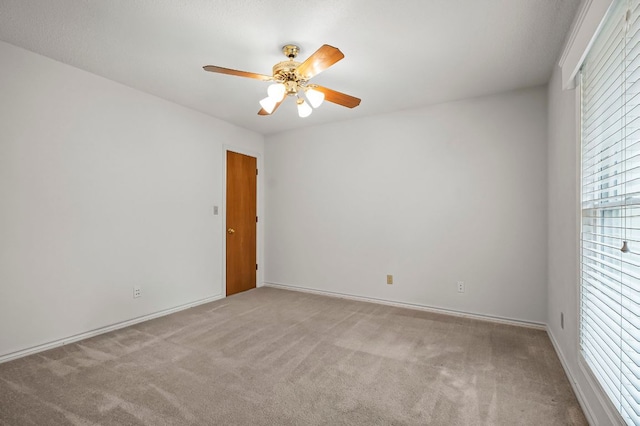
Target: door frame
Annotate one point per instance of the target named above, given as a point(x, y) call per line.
point(259, 210)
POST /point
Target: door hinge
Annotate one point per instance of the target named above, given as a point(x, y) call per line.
point(256, 266)
point(256, 218)
point(256, 172)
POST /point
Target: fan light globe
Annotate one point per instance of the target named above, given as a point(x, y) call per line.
point(304, 110)
point(314, 97)
point(268, 104)
point(277, 91)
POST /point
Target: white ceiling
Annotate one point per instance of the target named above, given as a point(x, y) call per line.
point(398, 54)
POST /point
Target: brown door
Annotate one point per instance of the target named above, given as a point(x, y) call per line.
point(241, 222)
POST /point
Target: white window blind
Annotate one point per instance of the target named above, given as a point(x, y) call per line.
point(610, 275)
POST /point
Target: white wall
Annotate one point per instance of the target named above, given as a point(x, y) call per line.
point(433, 196)
point(102, 187)
point(563, 286)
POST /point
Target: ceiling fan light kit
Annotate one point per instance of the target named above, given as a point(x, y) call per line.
point(291, 78)
point(276, 91)
point(314, 97)
point(268, 104)
point(304, 110)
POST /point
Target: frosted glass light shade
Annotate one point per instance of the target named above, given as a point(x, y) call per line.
point(268, 104)
point(314, 97)
point(276, 91)
point(304, 110)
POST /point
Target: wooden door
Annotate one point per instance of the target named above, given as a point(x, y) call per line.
point(241, 222)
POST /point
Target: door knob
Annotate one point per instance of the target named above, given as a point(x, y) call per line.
point(231, 230)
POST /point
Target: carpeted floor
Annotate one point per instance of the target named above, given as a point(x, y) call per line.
point(277, 357)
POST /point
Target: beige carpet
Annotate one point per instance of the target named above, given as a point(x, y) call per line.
point(276, 357)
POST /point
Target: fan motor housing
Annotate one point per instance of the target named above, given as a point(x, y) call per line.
point(286, 70)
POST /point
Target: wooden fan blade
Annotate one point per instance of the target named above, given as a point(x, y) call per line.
point(221, 70)
point(322, 59)
point(338, 97)
point(263, 112)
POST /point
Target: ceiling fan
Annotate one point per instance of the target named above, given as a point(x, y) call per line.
point(291, 78)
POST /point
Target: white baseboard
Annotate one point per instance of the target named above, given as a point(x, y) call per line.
point(77, 337)
point(586, 408)
point(501, 320)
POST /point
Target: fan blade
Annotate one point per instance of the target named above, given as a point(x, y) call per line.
point(221, 70)
point(322, 59)
point(263, 112)
point(338, 97)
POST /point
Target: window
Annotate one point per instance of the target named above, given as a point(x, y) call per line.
point(610, 203)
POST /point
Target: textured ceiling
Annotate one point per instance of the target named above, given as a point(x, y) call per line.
point(398, 55)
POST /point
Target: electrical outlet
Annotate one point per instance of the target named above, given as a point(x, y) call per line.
point(389, 279)
point(562, 320)
point(460, 286)
point(137, 292)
